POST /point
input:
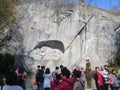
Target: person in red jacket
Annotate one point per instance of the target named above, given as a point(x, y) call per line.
point(66, 83)
point(99, 80)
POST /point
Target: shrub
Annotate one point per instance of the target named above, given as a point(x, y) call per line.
point(117, 57)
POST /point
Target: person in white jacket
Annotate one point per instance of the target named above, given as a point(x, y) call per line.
point(105, 74)
point(47, 77)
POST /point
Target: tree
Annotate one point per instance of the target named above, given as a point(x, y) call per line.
point(117, 58)
point(115, 8)
point(82, 1)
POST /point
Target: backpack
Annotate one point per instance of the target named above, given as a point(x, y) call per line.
point(81, 82)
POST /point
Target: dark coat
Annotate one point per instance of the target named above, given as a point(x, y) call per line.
point(39, 76)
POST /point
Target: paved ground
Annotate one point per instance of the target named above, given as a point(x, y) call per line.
point(31, 79)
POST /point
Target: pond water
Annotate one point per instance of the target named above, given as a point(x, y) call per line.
point(29, 82)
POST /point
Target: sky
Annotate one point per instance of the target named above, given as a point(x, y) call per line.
point(104, 4)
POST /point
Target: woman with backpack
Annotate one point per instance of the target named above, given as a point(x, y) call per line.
point(78, 84)
point(114, 85)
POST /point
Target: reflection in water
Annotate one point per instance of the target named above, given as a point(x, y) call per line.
point(29, 82)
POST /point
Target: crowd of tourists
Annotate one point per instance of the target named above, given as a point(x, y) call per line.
point(62, 79)
point(14, 79)
point(59, 79)
point(105, 79)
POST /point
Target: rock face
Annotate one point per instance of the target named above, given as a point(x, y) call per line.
point(52, 33)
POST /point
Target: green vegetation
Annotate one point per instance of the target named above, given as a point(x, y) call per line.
point(119, 72)
point(117, 58)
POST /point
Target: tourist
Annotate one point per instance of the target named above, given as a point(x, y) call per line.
point(55, 79)
point(57, 72)
point(17, 71)
point(114, 80)
point(106, 68)
point(47, 77)
point(78, 84)
point(83, 77)
point(39, 77)
point(24, 74)
point(99, 80)
point(10, 82)
point(61, 67)
point(105, 72)
point(21, 75)
point(78, 68)
point(66, 82)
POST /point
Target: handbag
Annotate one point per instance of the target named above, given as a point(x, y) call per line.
point(34, 83)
